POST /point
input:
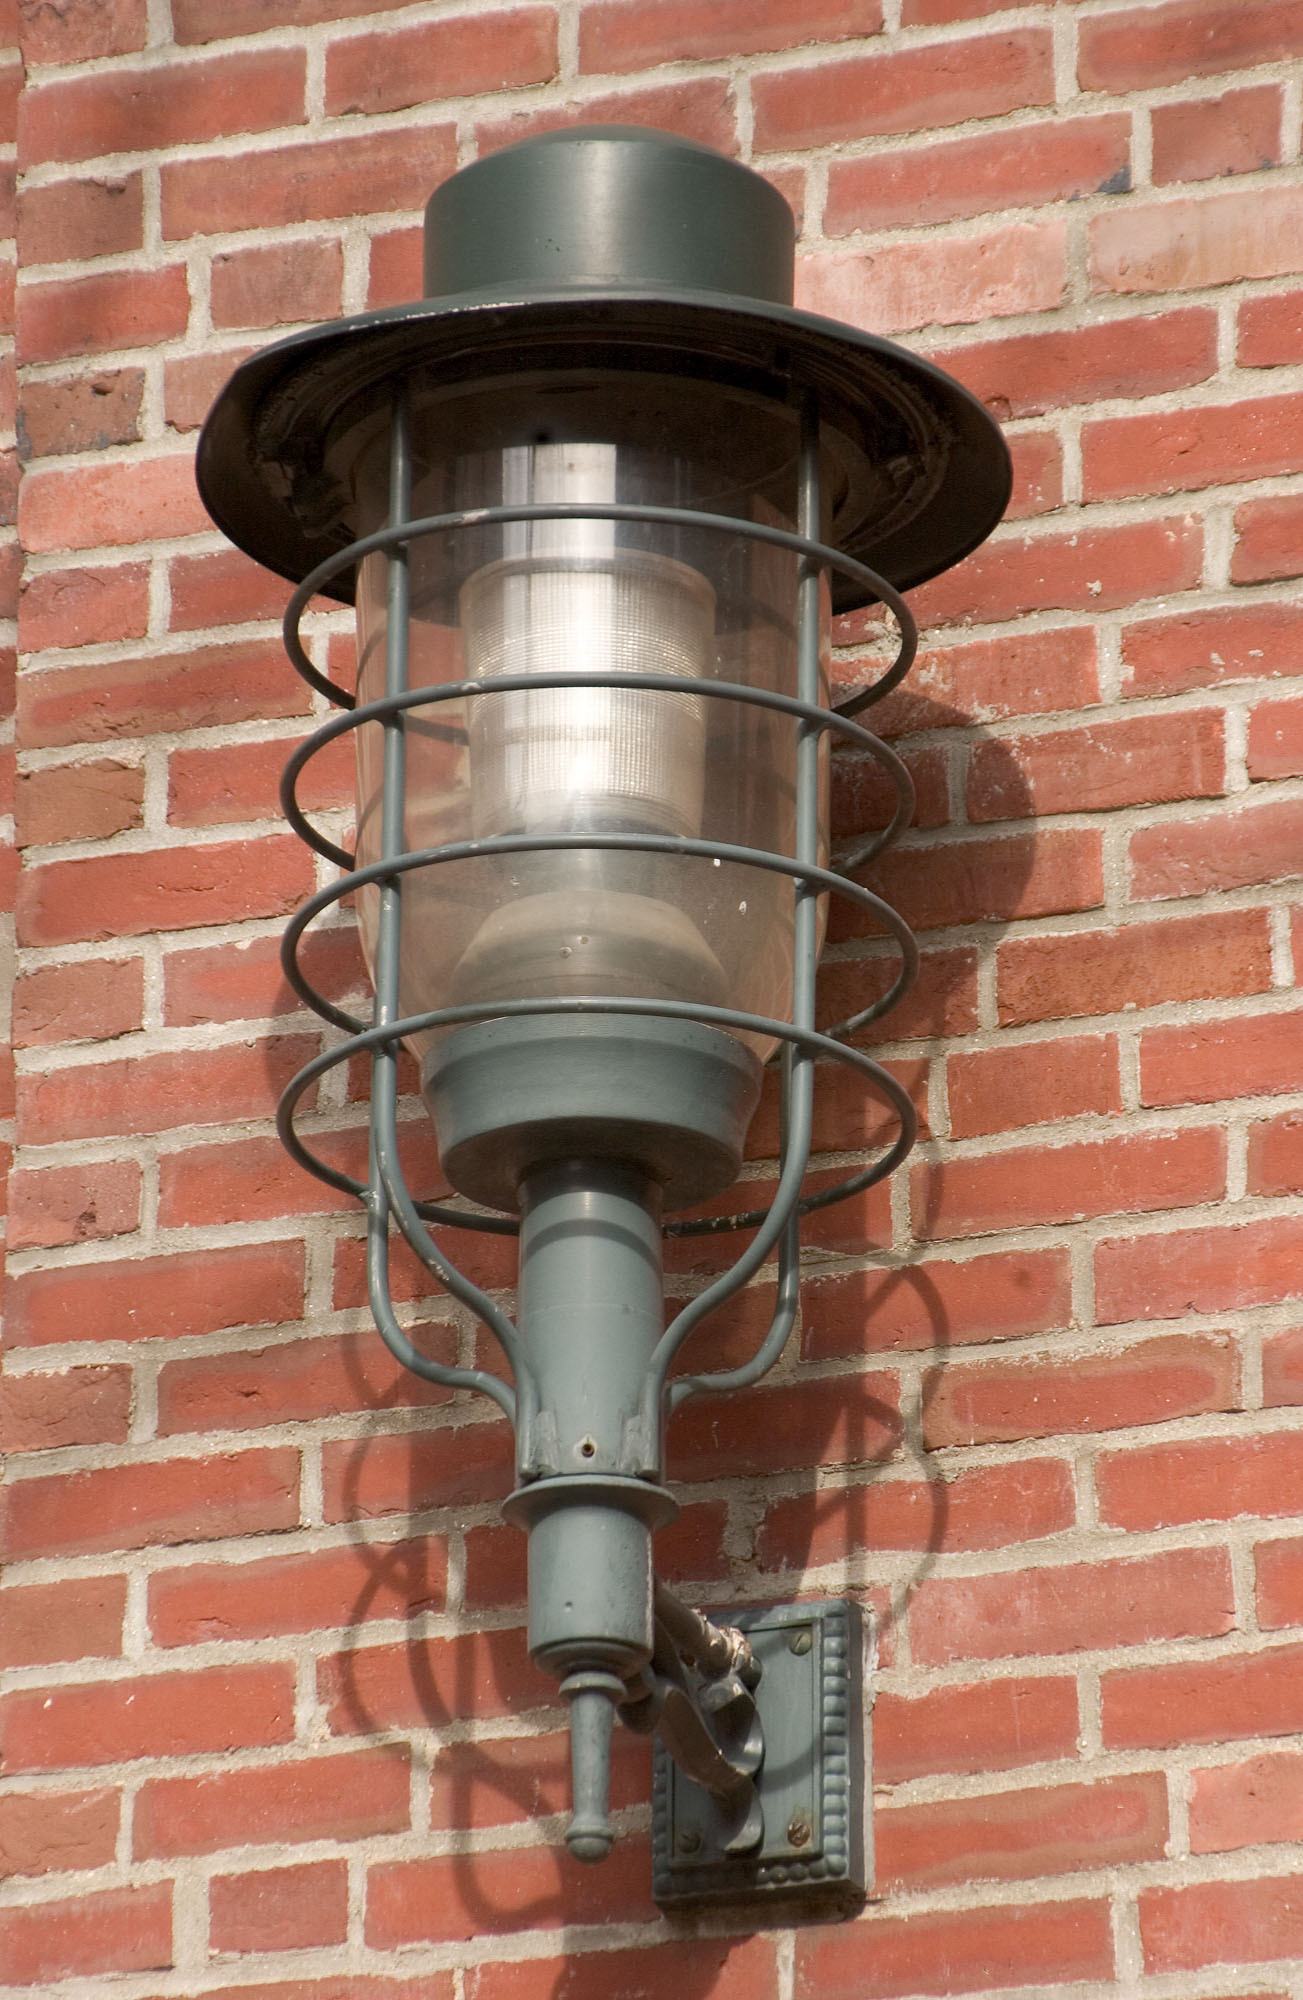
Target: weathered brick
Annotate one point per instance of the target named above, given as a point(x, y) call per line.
point(1204, 1701)
point(1270, 330)
point(1135, 760)
point(64, 221)
point(304, 1592)
point(123, 110)
point(456, 56)
point(102, 1932)
point(1234, 1923)
point(1055, 1830)
point(988, 1402)
point(262, 286)
point(83, 606)
point(82, 412)
point(1213, 239)
point(75, 1406)
point(345, 1797)
point(314, 181)
point(1138, 48)
point(164, 1297)
point(1028, 373)
point(1072, 1608)
point(150, 1504)
point(43, 1833)
point(998, 1296)
point(150, 1715)
point(94, 1000)
point(902, 90)
point(1217, 955)
point(83, 801)
point(1188, 449)
point(1199, 139)
point(1032, 1083)
point(126, 895)
point(1217, 1268)
point(940, 280)
point(985, 1508)
point(1026, 167)
point(279, 1909)
point(1023, 1187)
point(81, 29)
point(973, 1727)
point(75, 1204)
point(1247, 1804)
point(1267, 536)
point(1259, 842)
point(80, 1619)
point(110, 309)
point(956, 1951)
point(1245, 1056)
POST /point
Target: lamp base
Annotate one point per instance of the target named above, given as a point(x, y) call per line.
point(671, 1098)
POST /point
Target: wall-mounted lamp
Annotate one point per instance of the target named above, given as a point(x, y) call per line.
point(594, 498)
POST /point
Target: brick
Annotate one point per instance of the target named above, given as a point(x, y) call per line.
point(316, 181)
point(253, 1180)
point(279, 1909)
point(111, 1930)
point(214, 20)
point(1031, 673)
point(943, 1002)
point(93, 1000)
point(197, 689)
point(1211, 648)
point(528, 1888)
point(1209, 1479)
point(75, 1620)
point(1247, 1804)
point(75, 1406)
point(968, 881)
point(1216, 239)
point(1218, 955)
point(1027, 374)
point(942, 182)
point(106, 310)
point(1249, 1056)
point(1282, 1368)
point(167, 1297)
point(80, 29)
point(43, 1833)
point(940, 280)
point(410, 1472)
point(347, 1798)
point(157, 109)
point(1214, 1269)
point(83, 606)
point(64, 221)
point(393, 1687)
point(1201, 139)
point(1184, 450)
point(303, 1592)
point(1135, 760)
point(243, 981)
point(125, 895)
point(1270, 330)
point(989, 1402)
point(153, 1504)
point(83, 801)
point(832, 1421)
point(209, 787)
point(394, 271)
point(108, 506)
point(225, 587)
point(1276, 1155)
point(903, 90)
point(191, 383)
point(1096, 569)
point(1024, 1187)
point(1002, 1836)
point(83, 413)
point(974, 1727)
point(630, 34)
point(457, 56)
point(987, 1508)
point(1139, 48)
point(700, 108)
point(1204, 1701)
point(934, 1304)
point(1035, 1083)
point(493, 1782)
point(1229, 850)
point(1037, 475)
point(151, 1715)
point(1220, 1923)
point(1073, 1608)
point(155, 1093)
point(1279, 1567)
point(956, 1951)
point(74, 1204)
point(292, 1382)
point(729, 1968)
point(287, 281)
point(1267, 538)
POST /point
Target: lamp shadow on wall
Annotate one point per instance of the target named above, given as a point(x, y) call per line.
point(844, 1415)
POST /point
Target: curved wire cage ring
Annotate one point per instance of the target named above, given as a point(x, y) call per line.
point(385, 1193)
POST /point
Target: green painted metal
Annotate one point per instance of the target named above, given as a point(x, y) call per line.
point(815, 1843)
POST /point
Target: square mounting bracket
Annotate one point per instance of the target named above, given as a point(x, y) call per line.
point(816, 1839)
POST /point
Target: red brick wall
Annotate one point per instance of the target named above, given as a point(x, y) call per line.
point(269, 1724)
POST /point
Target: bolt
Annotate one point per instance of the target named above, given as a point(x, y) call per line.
point(799, 1830)
point(689, 1840)
point(800, 1640)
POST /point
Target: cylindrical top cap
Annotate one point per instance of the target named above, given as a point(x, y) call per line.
point(614, 205)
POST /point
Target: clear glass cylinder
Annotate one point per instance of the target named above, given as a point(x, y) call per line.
point(591, 598)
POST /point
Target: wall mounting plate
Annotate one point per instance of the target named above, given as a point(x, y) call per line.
point(811, 1784)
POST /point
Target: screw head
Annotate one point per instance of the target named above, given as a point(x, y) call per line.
point(800, 1640)
point(799, 1830)
point(689, 1840)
